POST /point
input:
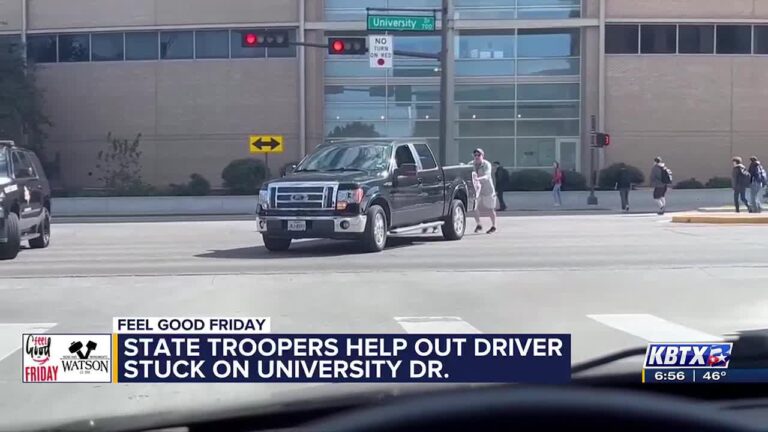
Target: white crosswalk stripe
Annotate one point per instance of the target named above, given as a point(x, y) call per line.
point(653, 329)
point(435, 325)
point(10, 335)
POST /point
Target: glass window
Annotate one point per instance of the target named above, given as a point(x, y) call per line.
point(546, 2)
point(485, 92)
point(474, 111)
point(761, 39)
point(486, 46)
point(535, 152)
point(74, 48)
point(22, 166)
point(548, 67)
point(546, 110)
point(496, 149)
point(621, 39)
point(141, 46)
point(176, 45)
point(41, 48)
point(734, 39)
point(420, 44)
point(549, 13)
point(404, 155)
point(356, 129)
point(107, 46)
point(486, 128)
point(10, 42)
point(210, 44)
point(351, 68)
point(548, 128)
point(425, 155)
point(548, 92)
point(238, 50)
point(413, 111)
point(377, 93)
point(658, 39)
point(369, 157)
point(466, 67)
point(415, 68)
point(696, 39)
point(289, 51)
point(355, 111)
point(548, 43)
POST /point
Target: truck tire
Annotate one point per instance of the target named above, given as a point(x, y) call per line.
point(276, 244)
point(375, 236)
point(10, 249)
point(44, 229)
point(456, 222)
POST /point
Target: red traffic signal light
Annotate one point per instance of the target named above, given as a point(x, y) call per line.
point(265, 39)
point(602, 139)
point(346, 46)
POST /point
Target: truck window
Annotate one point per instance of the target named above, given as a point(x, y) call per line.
point(403, 155)
point(20, 162)
point(425, 155)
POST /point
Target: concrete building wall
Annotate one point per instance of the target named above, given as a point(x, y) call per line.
point(58, 14)
point(694, 111)
point(194, 116)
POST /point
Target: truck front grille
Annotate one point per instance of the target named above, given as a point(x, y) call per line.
point(310, 196)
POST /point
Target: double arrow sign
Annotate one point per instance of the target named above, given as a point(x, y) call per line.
point(266, 143)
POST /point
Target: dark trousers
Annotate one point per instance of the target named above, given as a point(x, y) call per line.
point(624, 193)
point(500, 196)
point(740, 194)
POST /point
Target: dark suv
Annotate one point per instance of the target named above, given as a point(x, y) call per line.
point(25, 201)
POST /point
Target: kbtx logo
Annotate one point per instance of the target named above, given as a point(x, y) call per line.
point(688, 355)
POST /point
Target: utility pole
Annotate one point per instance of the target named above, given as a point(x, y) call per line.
point(447, 88)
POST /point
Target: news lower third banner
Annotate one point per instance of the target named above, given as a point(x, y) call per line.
point(242, 349)
point(305, 358)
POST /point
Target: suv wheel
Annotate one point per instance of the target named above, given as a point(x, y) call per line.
point(10, 249)
point(44, 231)
point(375, 236)
point(456, 221)
point(276, 244)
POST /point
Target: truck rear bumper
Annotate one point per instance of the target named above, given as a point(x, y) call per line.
point(333, 227)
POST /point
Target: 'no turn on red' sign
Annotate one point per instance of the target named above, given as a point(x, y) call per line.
point(380, 51)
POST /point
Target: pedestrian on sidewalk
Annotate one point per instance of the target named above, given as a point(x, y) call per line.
point(623, 185)
point(759, 180)
point(740, 181)
point(557, 183)
point(502, 180)
point(487, 196)
point(661, 178)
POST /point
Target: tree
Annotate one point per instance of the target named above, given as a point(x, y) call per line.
point(21, 102)
point(354, 130)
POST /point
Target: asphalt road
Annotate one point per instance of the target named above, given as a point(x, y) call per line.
point(612, 281)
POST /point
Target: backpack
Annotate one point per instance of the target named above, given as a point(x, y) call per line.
point(762, 178)
point(666, 175)
point(745, 178)
point(562, 177)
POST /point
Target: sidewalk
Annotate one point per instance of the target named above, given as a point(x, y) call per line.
point(576, 201)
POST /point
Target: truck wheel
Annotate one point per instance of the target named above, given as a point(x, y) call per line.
point(455, 222)
point(10, 249)
point(276, 244)
point(44, 229)
point(375, 236)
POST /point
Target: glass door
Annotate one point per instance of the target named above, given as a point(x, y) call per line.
point(568, 153)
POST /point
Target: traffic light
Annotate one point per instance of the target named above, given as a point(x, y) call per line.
point(264, 39)
point(602, 139)
point(346, 46)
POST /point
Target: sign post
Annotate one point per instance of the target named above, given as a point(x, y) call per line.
point(380, 51)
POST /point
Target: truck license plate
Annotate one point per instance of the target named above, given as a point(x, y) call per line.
point(297, 225)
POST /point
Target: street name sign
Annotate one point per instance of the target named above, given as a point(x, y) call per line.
point(413, 23)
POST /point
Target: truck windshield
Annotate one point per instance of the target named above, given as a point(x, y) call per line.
point(3, 164)
point(365, 157)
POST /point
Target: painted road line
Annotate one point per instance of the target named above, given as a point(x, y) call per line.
point(653, 328)
point(433, 325)
point(10, 335)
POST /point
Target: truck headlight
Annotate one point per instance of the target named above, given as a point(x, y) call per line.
point(264, 198)
point(346, 197)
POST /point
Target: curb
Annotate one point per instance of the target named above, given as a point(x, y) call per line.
point(720, 218)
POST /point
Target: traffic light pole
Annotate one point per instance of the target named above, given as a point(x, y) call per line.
point(447, 88)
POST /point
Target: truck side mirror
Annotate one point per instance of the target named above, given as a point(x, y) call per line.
point(407, 170)
point(290, 169)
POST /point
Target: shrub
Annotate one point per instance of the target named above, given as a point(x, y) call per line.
point(244, 176)
point(691, 183)
point(718, 183)
point(197, 186)
point(529, 180)
point(574, 181)
point(609, 176)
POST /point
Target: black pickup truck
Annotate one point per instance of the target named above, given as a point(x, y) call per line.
point(365, 190)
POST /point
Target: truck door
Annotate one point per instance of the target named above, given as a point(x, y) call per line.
point(430, 178)
point(30, 203)
point(405, 190)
